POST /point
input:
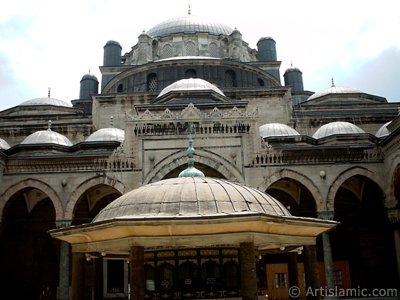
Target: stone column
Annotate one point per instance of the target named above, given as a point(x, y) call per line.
point(137, 276)
point(293, 272)
point(311, 271)
point(248, 277)
point(396, 233)
point(78, 284)
point(328, 261)
point(64, 271)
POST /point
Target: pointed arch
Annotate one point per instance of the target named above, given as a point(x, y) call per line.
point(37, 184)
point(343, 176)
point(207, 158)
point(291, 174)
point(86, 185)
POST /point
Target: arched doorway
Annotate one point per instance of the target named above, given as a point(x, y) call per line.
point(364, 237)
point(29, 257)
point(100, 274)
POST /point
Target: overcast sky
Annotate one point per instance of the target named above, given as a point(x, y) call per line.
point(53, 43)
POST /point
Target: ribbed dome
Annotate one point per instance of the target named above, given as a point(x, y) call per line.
point(89, 76)
point(188, 24)
point(276, 129)
point(334, 90)
point(107, 134)
point(191, 84)
point(45, 101)
point(3, 144)
point(383, 131)
point(47, 137)
point(337, 128)
point(191, 197)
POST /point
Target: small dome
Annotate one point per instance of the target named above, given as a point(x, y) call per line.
point(334, 90)
point(292, 69)
point(89, 76)
point(47, 137)
point(188, 24)
point(4, 145)
point(337, 128)
point(191, 84)
point(191, 197)
point(107, 134)
point(113, 43)
point(45, 101)
point(383, 131)
point(276, 129)
point(265, 38)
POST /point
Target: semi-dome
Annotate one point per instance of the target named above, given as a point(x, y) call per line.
point(191, 197)
point(334, 90)
point(188, 24)
point(107, 134)
point(383, 131)
point(45, 101)
point(276, 129)
point(337, 128)
point(191, 84)
point(47, 137)
point(4, 145)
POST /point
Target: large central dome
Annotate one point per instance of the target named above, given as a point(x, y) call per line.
point(188, 24)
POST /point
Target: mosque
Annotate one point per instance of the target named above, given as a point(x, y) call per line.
point(194, 172)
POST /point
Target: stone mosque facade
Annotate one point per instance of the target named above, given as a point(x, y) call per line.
point(332, 155)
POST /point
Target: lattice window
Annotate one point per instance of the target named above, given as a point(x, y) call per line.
point(213, 50)
point(167, 51)
point(281, 280)
point(190, 49)
point(152, 82)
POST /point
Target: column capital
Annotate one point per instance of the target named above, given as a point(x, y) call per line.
point(326, 214)
point(63, 223)
point(393, 215)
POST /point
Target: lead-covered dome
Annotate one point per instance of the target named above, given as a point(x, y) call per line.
point(191, 197)
point(188, 24)
point(383, 131)
point(334, 90)
point(190, 84)
point(47, 137)
point(45, 101)
point(276, 129)
point(107, 134)
point(337, 128)
point(4, 145)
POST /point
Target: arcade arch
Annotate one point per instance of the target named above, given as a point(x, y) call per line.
point(29, 257)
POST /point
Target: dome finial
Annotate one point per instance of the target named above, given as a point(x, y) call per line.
point(111, 121)
point(191, 171)
point(189, 10)
point(48, 92)
point(49, 125)
point(333, 83)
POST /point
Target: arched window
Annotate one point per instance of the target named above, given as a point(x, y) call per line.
point(210, 275)
point(190, 73)
point(231, 275)
point(165, 277)
point(190, 49)
point(150, 276)
point(152, 82)
point(120, 88)
point(260, 82)
point(213, 50)
point(167, 51)
point(230, 79)
point(187, 276)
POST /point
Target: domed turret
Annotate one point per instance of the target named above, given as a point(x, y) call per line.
point(293, 77)
point(89, 86)
point(112, 54)
point(266, 49)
